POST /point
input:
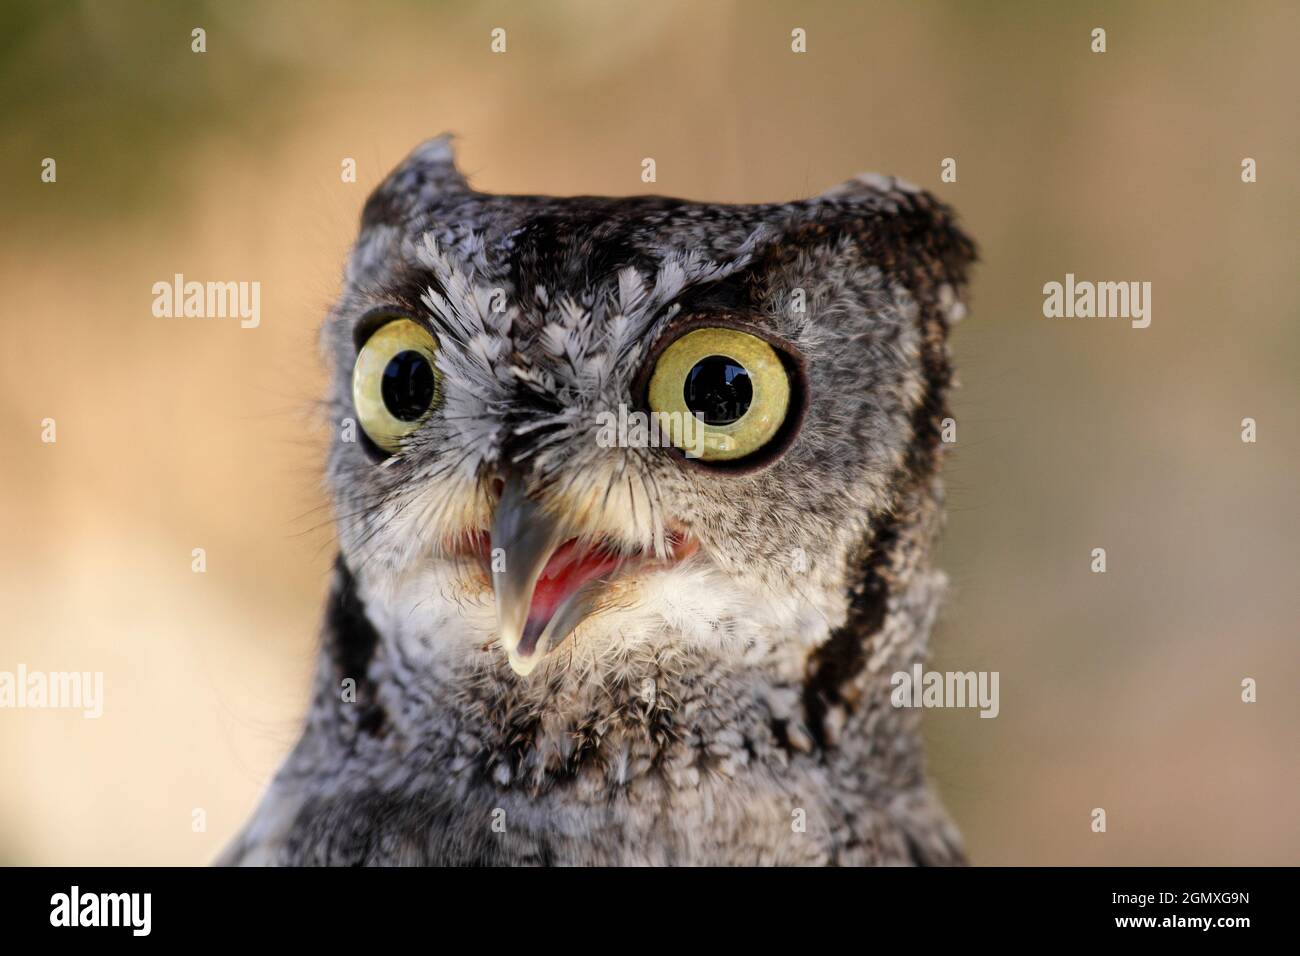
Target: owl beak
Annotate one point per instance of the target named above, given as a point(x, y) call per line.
point(524, 539)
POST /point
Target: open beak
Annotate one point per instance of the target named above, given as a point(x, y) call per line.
point(545, 584)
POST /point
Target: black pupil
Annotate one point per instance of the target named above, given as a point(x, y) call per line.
point(718, 388)
point(408, 385)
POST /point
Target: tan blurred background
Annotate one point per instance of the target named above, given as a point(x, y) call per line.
point(1119, 691)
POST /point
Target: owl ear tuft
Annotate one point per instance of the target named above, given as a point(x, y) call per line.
point(902, 227)
point(425, 176)
point(873, 188)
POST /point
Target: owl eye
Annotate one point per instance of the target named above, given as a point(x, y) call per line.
point(394, 383)
point(725, 391)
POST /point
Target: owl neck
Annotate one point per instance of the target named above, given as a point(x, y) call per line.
point(795, 709)
point(893, 600)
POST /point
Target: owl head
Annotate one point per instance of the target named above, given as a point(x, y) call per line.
point(578, 429)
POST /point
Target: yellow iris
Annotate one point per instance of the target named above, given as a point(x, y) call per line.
point(698, 370)
point(395, 382)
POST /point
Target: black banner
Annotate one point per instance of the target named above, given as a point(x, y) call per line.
point(981, 905)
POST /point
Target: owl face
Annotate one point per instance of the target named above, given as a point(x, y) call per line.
point(605, 425)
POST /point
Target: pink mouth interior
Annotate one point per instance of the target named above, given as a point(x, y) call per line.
point(569, 568)
point(573, 565)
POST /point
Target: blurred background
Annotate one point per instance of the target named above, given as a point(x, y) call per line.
point(1119, 690)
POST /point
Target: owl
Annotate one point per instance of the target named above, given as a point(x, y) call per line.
point(635, 499)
